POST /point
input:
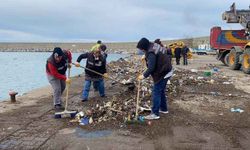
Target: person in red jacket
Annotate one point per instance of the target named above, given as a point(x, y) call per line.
point(56, 67)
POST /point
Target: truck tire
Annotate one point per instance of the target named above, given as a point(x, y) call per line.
point(246, 61)
point(233, 60)
point(226, 59)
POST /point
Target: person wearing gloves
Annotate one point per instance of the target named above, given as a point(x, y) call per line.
point(158, 66)
point(96, 62)
point(56, 67)
point(102, 49)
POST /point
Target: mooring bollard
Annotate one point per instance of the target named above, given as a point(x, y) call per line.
point(13, 96)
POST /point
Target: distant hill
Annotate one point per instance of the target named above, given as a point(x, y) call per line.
point(80, 47)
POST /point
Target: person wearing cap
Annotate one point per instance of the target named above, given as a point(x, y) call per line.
point(96, 62)
point(158, 66)
point(56, 67)
point(96, 46)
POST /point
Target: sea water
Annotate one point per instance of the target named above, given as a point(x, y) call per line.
point(25, 71)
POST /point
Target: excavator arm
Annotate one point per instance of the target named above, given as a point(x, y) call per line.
point(238, 16)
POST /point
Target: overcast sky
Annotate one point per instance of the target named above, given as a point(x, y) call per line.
point(110, 20)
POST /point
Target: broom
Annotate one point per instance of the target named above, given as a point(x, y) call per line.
point(66, 113)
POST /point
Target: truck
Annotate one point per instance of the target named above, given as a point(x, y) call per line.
point(233, 46)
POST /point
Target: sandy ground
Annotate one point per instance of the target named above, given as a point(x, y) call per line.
point(198, 119)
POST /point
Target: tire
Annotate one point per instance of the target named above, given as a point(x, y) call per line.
point(221, 55)
point(246, 61)
point(223, 60)
point(233, 60)
point(226, 59)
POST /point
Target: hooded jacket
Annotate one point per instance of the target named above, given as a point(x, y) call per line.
point(158, 61)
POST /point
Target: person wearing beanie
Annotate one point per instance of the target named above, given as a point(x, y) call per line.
point(56, 67)
point(158, 66)
point(99, 42)
point(96, 62)
point(96, 46)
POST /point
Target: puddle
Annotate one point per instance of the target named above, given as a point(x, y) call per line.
point(67, 131)
point(8, 144)
point(95, 134)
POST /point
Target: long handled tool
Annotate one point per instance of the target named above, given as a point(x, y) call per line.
point(137, 119)
point(131, 85)
point(138, 92)
point(66, 113)
point(137, 99)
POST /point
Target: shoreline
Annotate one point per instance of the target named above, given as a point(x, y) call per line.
point(119, 47)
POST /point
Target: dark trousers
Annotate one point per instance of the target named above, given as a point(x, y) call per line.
point(159, 97)
point(99, 85)
point(178, 60)
point(185, 61)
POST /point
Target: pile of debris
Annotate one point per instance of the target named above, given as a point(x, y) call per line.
point(122, 107)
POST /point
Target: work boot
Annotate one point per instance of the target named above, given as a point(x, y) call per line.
point(103, 96)
point(58, 107)
point(84, 100)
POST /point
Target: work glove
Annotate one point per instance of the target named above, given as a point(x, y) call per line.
point(68, 80)
point(69, 65)
point(105, 75)
point(143, 58)
point(140, 77)
point(77, 64)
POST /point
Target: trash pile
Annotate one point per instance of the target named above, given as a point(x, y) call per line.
point(122, 107)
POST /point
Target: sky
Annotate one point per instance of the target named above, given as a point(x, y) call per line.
point(110, 20)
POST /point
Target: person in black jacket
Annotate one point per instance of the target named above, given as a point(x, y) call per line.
point(185, 51)
point(102, 49)
point(158, 66)
point(95, 62)
point(177, 54)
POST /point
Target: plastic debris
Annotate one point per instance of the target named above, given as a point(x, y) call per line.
point(207, 73)
point(215, 70)
point(200, 78)
point(84, 121)
point(194, 70)
point(237, 110)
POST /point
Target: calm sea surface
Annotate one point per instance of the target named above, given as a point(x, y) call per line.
point(25, 71)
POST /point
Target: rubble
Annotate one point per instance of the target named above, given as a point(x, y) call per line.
point(122, 107)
